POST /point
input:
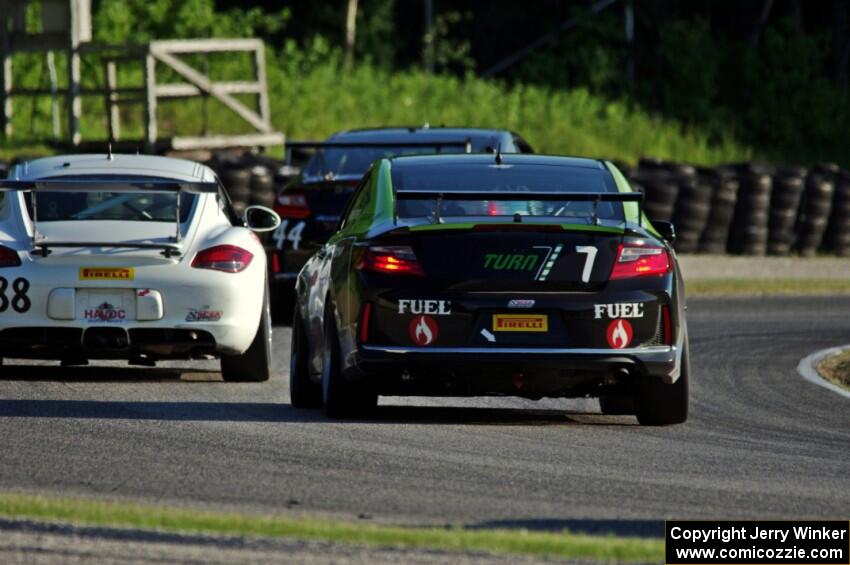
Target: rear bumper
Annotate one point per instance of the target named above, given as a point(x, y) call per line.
point(106, 342)
point(524, 371)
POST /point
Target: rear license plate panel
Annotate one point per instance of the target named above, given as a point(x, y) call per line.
point(105, 306)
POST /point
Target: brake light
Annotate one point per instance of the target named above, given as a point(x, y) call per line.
point(292, 205)
point(640, 261)
point(9, 257)
point(276, 263)
point(225, 258)
point(399, 260)
point(364, 322)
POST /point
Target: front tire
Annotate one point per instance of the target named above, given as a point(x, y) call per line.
point(255, 365)
point(660, 404)
point(303, 392)
point(342, 398)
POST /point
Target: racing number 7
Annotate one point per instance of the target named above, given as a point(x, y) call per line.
point(590, 251)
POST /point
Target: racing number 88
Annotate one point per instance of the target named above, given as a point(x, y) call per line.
point(20, 302)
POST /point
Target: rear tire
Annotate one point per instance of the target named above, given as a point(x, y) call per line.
point(660, 404)
point(255, 365)
point(303, 392)
point(342, 399)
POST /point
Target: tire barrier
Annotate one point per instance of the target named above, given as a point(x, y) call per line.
point(745, 208)
point(724, 194)
point(692, 209)
point(816, 207)
point(660, 192)
point(837, 236)
point(262, 186)
point(788, 184)
point(748, 234)
point(749, 208)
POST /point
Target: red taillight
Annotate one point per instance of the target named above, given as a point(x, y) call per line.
point(665, 319)
point(226, 258)
point(398, 260)
point(292, 205)
point(364, 322)
point(640, 261)
point(9, 257)
point(492, 209)
point(276, 262)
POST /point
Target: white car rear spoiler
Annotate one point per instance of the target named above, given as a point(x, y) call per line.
point(42, 246)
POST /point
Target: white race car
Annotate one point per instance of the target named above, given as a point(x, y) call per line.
point(131, 257)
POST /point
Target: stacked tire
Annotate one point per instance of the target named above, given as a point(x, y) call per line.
point(659, 188)
point(724, 194)
point(262, 186)
point(816, 208)
point(837, 238)
point(237, 182)
point(748, 234)
point(693, 206)
point(788, 184)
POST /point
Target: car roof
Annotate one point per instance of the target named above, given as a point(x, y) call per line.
point(402, 134)
point(102, 164)
point(410, 162)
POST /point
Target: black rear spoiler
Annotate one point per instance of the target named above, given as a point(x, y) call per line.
point(42, 245)
point(290, 145)
point(595, 197)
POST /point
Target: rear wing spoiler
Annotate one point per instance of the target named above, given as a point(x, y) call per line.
point(81, 185)
point(595, 197)
point(42, 246)
point(438, 143)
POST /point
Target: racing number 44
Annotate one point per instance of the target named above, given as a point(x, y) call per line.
point(281, 236)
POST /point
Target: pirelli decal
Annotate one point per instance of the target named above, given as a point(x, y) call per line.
point(106, 274)
point(520, 323)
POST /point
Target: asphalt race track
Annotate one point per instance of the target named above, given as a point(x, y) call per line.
point(761, 441)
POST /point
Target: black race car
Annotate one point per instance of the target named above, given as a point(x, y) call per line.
point(310, 205)
point(524, 275)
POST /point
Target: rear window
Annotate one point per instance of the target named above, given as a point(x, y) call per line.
point(356, 160)
point(65, 205)
point(494, 179)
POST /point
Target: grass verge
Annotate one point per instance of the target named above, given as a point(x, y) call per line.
point(131, 515)
point(836, 369)
point(766, 287)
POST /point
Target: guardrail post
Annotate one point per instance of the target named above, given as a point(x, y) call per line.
point(260, 73)
point(150, 101)
point(75, 106)
point(113, 115)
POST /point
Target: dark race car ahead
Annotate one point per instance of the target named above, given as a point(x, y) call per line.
point(311, 204)
point(522, 275)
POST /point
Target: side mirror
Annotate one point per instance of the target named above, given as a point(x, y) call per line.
point(666, 229)
point(260, 218)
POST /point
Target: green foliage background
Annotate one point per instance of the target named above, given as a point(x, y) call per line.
point(702, 96)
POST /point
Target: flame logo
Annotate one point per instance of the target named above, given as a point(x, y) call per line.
point(423, 330)
point(620, 337)
point(619, 334)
